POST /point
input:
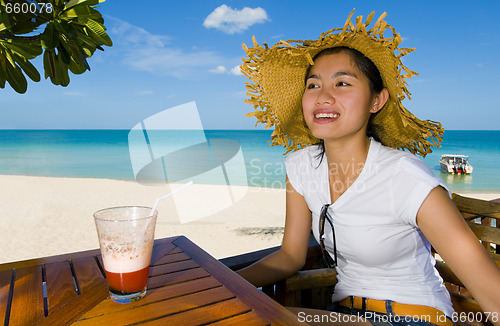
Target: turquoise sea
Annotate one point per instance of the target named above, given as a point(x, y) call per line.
point(105, 154)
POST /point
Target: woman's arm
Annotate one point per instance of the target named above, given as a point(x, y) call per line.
point(292, 255)
point(449, 234)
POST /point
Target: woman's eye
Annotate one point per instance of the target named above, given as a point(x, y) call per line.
point(341, 83)
point(311, 85)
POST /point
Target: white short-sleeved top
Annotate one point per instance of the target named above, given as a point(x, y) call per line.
point(382, 254)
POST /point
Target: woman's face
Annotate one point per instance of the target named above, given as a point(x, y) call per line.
point(337, 101)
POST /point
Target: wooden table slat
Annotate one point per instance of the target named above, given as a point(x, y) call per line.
point(60, 285)
point(262, 304)
point(96, 292)
point(176, 277)
point(159, 294)
point(172, 257)
point(161, 250)
point(176, 250)
point(48, 260)
point(5, 280)
point(250, 318)
point(86, 272)
point(27, 300)
point(173, 267)
point(204, 315)
point(158, 309)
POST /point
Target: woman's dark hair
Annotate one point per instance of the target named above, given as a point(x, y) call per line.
point(368, 68)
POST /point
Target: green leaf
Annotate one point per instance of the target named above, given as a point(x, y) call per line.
point(26, 48)
point(50, 37)
point(67, 29)
point(82, 13)
point(74, 56)
point(74, 3)
point(3, 70)
point(4, 18)
point(62, 72)
point(28, 68)
point(69, 56)
point(55, 69)
point(24, 22)
point(88, 51)
point(86, 42)
point(16, 79)
point(58, 3)
point(98, 32)
point(98, 39)
point(9, 58)
point(79, 66)
point(49, 62)
point(63, 53)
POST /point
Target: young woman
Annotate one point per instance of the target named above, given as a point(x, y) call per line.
point(376, 209)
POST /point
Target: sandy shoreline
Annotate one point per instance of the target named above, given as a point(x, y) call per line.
point(43, 216)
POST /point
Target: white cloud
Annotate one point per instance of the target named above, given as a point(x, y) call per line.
point(221, 70)
point(133, 35)
point(143, 51)
point(236, 71)
point(230, 21)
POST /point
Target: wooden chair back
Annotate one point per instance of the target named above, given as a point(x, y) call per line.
point(483, 217)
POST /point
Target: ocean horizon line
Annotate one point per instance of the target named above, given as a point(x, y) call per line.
point(105, 154)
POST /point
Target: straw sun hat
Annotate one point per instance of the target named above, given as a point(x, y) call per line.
point(277, 77)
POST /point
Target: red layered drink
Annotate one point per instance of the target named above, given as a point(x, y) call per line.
point(128, 282)
point(126, 236)
point(127, 271)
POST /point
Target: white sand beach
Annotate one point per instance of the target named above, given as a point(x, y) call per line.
point(42, 216)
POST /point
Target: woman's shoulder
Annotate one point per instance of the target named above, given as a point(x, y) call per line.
point(400, 159)
point(302, 167)
point(404, 164)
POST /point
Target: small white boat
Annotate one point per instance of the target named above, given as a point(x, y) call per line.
point(455, 164)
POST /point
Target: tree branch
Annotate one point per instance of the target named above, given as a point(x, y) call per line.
point(17, 37)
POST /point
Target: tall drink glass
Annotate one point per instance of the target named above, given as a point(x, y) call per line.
point(126, 236)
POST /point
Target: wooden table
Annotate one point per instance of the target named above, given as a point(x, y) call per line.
point(186, 286)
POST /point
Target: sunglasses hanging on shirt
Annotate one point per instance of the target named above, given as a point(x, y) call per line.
point(323, 217)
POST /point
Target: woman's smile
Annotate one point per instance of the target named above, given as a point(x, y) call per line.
point(325, 116)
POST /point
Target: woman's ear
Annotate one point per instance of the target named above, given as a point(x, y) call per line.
point(380, 100)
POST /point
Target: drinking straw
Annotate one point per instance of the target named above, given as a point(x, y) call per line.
point(168, 195)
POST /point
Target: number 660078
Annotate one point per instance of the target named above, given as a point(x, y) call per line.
point(24, 8)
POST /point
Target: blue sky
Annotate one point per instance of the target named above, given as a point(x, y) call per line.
point(167, 53)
